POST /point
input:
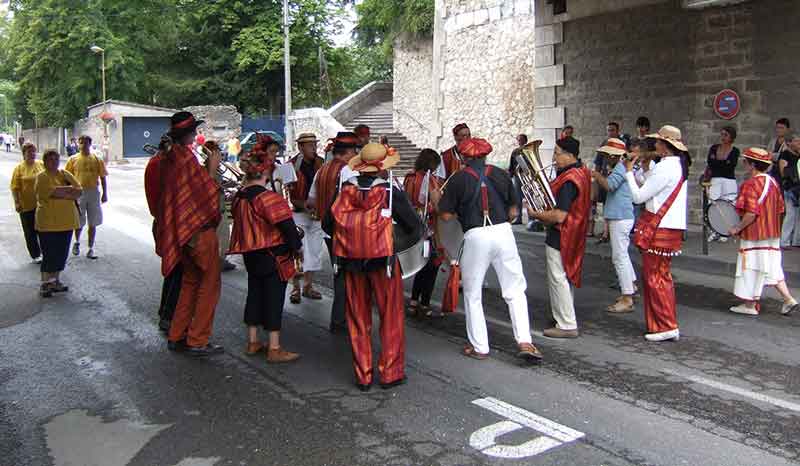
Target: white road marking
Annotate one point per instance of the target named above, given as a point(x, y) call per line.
point(736, 390)
point(485, 438)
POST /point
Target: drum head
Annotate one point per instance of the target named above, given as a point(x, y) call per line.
point(449, 236)
point(721, 216)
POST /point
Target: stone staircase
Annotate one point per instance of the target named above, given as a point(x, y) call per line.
point(379, 118)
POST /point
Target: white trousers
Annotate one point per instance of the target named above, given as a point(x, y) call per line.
point(723, 188)
point(619, 232)
point(790, 231)
point(561, 299)
point(496, 246)
point(759, 264)
point(312, 241)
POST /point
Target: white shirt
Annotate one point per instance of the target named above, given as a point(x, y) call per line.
point(659, 183)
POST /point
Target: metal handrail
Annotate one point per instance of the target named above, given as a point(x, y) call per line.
point(412, 118)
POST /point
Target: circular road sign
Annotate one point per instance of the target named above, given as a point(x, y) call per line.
point(727, 104)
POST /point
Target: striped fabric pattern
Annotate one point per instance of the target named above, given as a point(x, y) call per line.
point(327, 183)
point(361, 232)
point(768, 214)
point(573, 230)
point(189, 202)
point(254, 222)
point(452, 161)
point(300, 190)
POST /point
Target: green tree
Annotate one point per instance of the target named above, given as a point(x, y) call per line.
point(380, 22)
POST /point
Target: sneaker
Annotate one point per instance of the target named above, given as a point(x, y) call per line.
point(663, 336)
point(76, 249)
point(36, 260)
point(91, 254)
point(556, 332)
point(723, 239)
point(788, 308)
point(713, 237)
point(742, 309)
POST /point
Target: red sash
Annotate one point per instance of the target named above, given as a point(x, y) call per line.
point(252, 230)
point(299, 191)
point(573, 229)
point(646, 234)
point(452, 161)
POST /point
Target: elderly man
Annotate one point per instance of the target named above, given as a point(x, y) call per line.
point(306, 165)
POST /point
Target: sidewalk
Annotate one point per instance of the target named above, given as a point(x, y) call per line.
point(721, 258)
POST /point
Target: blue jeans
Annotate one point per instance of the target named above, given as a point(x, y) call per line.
point(790, 232)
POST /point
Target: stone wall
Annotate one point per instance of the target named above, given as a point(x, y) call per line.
point(220, 120)
point(313, 120)
point(680, 59)
point(414, 106)
point(477, 69)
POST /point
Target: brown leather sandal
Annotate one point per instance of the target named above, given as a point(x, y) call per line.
point(311, 293)
point(469, 351)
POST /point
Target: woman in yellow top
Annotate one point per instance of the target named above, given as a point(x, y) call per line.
point(56, 218)
point(23, 182)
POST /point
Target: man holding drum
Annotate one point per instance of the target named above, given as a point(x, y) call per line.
point(483, 198)
point(760, 204)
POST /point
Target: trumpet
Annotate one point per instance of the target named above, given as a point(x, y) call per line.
point(533, 180)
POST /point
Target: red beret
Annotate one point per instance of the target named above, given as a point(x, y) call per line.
point(474, 148)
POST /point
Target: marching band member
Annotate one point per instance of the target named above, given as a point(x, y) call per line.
point(187, 214)
point(306, 164)
point(483, 198)
point(659, 231)
point(425, 280)
point(266, 235)
point(362, 132)
point(321, 197)
point(566, 235)
point(759, 263)
point(361, 226)
point(452, 161)
point(618, 213)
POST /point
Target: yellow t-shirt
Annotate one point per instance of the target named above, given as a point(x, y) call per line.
point(23, 181)
point(234, 146)
point(55, 214)
point(87, 169)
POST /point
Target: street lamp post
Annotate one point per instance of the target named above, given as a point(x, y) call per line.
point(102, 53)
point(287, 72)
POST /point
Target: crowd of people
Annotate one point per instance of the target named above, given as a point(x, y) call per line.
point(351, 202)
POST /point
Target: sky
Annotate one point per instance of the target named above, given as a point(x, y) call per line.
point(344, 37)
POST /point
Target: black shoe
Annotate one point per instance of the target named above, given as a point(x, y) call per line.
point(364, 387)
point(203, 351)
point(396, 383)
point(164, 325)
point(228, 266)
point(337, 328)
point(177, 346)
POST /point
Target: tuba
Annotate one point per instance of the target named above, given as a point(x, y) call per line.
point(533, 180)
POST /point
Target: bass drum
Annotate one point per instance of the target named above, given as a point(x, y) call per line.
point(450, 236)
point(721, 216)
point(410, 251)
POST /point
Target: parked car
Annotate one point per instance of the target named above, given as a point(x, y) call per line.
point(248, 140)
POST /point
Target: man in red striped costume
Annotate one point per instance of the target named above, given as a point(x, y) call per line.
point(361, 224)
point(452, 161)
point(566, 235)
point(759, 263)
point(186, 200)
point(320, 199)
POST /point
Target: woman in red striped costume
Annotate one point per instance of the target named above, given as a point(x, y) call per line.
point(760, 205)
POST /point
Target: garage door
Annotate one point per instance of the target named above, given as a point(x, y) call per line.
point(138, 131)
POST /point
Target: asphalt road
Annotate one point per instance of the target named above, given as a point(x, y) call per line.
point(85, 378)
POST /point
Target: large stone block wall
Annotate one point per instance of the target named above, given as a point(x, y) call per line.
point(488, 83)
point(478, 69)
point(414, 111)
point(668, 63)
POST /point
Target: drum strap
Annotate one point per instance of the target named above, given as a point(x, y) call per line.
point(483, 191)
point(764, 193)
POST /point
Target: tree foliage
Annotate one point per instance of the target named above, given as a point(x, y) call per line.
point(172, 53)
point(380, 22)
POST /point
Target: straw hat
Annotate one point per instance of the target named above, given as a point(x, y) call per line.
point(614, 146)
point(474, 148)
point(759, 154)
point(306, 137)
point(670, 135)
point(374, 158)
